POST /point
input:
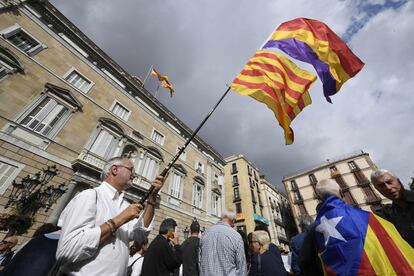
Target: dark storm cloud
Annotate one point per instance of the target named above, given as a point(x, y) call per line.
point(202, 45)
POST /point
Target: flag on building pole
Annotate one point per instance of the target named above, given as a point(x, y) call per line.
point(164, 81)
point(314, 42)
point(352, 241)
point(273, 79)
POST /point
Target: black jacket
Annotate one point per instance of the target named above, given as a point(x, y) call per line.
point(309, 261)
point(189, 249)
point(37, 257)
point(161, 259)
point(401, 217)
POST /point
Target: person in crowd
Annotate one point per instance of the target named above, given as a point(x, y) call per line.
point(265, 262)
point(136, 258)
point(401, 211)
point(221, 249)
point(163, 257)
point(273, 248)
point(43, 229)
point(297, 241)
point(99, 223)
point(189, 249)
point(37, 257)
point(348, 240)
point(246, 247)
point(6, 252)
point(286, 258)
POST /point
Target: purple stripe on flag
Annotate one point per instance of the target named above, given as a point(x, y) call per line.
point(301, 51)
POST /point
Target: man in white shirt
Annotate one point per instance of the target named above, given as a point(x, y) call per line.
point(98, 224)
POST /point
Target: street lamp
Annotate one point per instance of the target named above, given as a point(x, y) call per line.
point(27, 197)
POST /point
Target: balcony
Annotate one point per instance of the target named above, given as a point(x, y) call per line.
point(282, 238)
point(89, 164)
point(335, 173)
point(236, 199)
point(216, 187)
point(240, 216)
point(364, 183)
point(279, 221)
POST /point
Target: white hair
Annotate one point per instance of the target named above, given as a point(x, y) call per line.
point(119, 160)
point(229, 214)
point(327, 187)
point(378, 173)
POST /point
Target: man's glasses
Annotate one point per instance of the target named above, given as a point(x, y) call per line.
point(131, 169)
point(7, 242)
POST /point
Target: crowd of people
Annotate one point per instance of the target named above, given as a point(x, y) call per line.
point(96, 228)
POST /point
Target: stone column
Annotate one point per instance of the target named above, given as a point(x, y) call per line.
point(62, 202)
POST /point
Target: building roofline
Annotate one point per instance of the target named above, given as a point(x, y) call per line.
point(133, 85)
point(327, 163)
point(241, 156)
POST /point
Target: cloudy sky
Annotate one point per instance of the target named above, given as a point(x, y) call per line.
point(203, 45)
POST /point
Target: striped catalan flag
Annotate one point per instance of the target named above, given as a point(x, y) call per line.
point(356, 242)
point(271, 78)
point(164, 81)
point(314, 42)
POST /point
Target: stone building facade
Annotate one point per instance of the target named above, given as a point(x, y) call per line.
point(255, 200)
point(352, 172)
point(65, 102)
point(277, 210)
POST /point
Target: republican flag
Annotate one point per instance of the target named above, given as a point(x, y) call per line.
point(314, 42)
point(355, 242)
point(271, 78)
point(164, 81)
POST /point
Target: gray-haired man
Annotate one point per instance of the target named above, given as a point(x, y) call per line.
point(401, 211)
point(222, 250)
point(98, 224)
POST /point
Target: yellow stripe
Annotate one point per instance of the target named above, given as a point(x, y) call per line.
point(287, 98)
point(278, 110)
point(290, 64)
point(406, 250)
point(299, 88)
point(321, 49)
point(376, 254)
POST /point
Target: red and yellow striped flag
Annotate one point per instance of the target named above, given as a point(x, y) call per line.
point(352, 241)
point(164, 81)
point(273, 79)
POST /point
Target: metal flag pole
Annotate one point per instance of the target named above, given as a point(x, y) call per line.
point(156, 91)
point(148, 73)
point(177, 155)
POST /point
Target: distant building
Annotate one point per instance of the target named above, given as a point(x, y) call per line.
point(352, 173)
point(65, 102)
point(255, 200)
point(277, 209)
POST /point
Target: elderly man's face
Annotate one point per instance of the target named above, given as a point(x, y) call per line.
point(389, 186)
point(125, 173)
point(8, 243)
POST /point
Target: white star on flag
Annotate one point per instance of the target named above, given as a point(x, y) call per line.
point(328, 228)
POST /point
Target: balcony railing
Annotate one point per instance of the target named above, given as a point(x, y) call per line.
point(279, 221)
point(240, 216)
point(92, 159)
point(215, 186)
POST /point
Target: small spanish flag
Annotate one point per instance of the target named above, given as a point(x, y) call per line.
point(164, 81)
